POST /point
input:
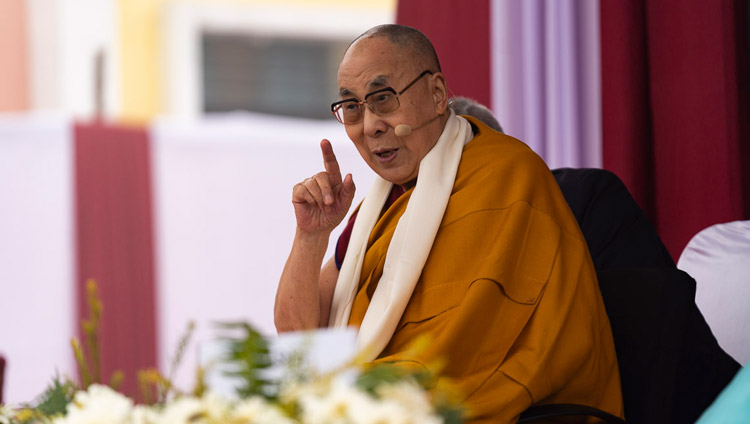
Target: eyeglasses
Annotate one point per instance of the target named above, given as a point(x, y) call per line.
point(382, 102)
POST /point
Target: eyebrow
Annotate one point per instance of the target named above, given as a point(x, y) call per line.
point(345, 92)
point(377, 82)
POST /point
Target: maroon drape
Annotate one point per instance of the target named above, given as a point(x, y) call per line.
point(2, 377)
point(460, 32)
point(675, 110)
point(115, 244)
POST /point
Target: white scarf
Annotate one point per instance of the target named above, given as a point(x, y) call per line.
point(409, 247)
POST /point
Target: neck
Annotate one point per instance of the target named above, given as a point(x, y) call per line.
point(443, 120)
point(408, 185)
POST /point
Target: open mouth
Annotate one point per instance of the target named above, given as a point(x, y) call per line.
point(386, 153)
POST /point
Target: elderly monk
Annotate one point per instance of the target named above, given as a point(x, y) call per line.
point(464, 236)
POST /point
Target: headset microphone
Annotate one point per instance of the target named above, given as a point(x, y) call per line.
point(402, 130)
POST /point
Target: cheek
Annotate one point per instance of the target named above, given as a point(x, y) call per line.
point(356, 136)
point(354, 132)
point(418, 149)
point(423, 104)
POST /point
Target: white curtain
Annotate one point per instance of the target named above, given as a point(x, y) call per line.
point(546, 88)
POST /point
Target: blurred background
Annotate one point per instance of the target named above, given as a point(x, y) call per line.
point(152, 145)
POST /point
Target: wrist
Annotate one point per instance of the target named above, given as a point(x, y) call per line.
point(315, 240)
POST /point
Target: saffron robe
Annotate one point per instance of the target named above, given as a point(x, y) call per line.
point(508, 295)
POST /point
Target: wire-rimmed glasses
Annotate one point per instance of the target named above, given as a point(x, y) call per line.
point(381, 102)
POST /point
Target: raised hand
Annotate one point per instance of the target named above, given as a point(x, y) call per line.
point(322, 201)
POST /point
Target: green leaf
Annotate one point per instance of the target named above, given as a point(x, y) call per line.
point(55, 399)
point(247, 356)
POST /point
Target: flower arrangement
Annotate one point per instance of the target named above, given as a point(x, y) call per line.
point(354, 394)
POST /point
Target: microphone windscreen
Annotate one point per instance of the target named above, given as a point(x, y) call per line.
point(402, 130)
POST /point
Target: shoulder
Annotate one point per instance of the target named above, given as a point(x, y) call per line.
point(487, 140)
point(498, 171)
point(497, 155)
point(503, 166)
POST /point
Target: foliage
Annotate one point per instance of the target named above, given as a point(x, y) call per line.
point(379, 393)
point(88, 361)
point(248, 356)
point(56, 397)
point(154, 386)
point(444, 397)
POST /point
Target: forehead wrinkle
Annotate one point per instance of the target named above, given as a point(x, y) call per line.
point(369, 62)
point(378, 82)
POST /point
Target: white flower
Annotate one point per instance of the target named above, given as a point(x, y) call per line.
point(98, 405)
point(183, 410)
point(389, 411)
point(409, 395)
point(257, 410)
point(374, 411)
point(341, 403)
point(216, 408)
point(144, 415)
point(6, 414)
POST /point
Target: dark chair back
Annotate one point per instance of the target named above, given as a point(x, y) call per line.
point(617, 232)
point(649, 310)
point(671, 366)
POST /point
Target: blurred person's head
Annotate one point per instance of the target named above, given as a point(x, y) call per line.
point(466, 106)
point(389, 76)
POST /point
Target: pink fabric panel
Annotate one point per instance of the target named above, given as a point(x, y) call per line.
point(14, 82)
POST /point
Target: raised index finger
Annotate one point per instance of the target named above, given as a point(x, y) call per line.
point(330, 163)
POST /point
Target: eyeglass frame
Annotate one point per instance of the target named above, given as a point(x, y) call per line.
point(372, 108)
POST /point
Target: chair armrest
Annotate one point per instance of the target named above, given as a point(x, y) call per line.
point(539, 412)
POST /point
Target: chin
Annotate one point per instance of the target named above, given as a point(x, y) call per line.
point(398, 179)
point(401, 174)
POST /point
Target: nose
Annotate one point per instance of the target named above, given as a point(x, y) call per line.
point(373, 124)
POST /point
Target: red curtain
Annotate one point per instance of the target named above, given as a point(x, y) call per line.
point(115, 244)
point(675, 110)
point(460, 32)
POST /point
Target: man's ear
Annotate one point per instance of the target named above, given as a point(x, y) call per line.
point(439, 93)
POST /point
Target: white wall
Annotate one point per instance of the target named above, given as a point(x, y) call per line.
point(37, 252)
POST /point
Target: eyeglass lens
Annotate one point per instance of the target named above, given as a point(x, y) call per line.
point(380, 102)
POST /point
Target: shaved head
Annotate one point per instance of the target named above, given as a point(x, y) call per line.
point(407, 38)
point(382, 58)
